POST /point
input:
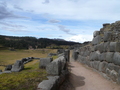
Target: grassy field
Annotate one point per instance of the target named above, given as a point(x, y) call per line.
point(9, 57)
point(27, 79)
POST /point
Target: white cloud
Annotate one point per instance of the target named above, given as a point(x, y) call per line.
point(75, 9)
point(80, 38)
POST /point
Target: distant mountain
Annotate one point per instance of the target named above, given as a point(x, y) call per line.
point(31, 42)
point(58, 39)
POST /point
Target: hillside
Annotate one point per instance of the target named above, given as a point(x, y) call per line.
point(32, 42)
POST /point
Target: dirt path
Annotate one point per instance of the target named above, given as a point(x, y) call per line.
point(84, 78)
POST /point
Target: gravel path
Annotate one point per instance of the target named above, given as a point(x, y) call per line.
point(84, 78)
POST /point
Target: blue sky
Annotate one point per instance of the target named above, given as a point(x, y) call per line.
point(73, 20)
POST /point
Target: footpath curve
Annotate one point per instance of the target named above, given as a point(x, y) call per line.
point(85, 78)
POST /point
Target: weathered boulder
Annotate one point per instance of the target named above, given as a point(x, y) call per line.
point(96, 40)
point(18, 66)
point(44, 62)
point(109, 57)
point(116, 58)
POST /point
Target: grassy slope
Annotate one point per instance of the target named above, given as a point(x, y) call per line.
point(30, 77)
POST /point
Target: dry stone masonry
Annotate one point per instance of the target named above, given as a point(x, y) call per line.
point(103, 53)
point(56, 70)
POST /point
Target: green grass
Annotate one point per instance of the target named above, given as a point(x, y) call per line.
point(28, 79)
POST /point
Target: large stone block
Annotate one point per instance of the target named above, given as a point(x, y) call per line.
point(18, 66)
point(91, 56)
point(108, 71)
point(56, 66)
point(96, 40)
point(85, 53)
point(95, 47)
point(109, 57)
point(107, 36)
point(106, 46)
point(91, 64)
point(116, 58)
point(44, 62)
point(96, 64)
point(100, 47)
point(96, 33)
point(114, 75)
point(103, 66)
point(110, 66)
point(114, 47)
point(94, 55)
point(50, 84)
point(102, 57)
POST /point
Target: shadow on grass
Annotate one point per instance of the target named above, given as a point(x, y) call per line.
point(27, 68)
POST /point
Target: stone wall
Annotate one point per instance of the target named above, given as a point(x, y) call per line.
point(103, 54)
point(57, 72)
